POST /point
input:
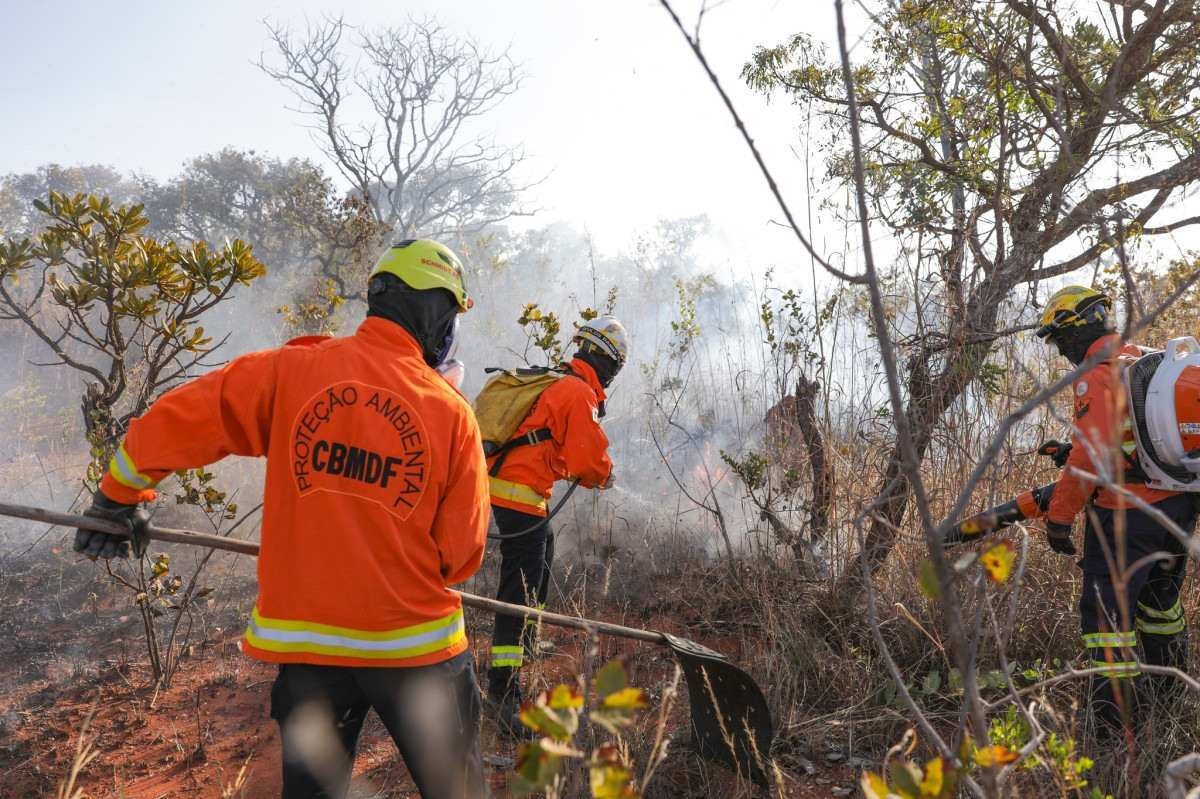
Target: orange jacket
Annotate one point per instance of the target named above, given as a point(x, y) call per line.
point(578, 448)
point(1102, 426)
point(375, 499)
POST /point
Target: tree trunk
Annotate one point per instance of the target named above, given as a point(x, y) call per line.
point(814, 445)
point(929, 396)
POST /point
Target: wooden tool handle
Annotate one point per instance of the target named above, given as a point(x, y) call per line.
point(251, 548)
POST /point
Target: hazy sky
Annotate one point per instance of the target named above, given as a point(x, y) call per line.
point(615, 110)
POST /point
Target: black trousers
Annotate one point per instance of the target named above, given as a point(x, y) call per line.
point(431, 712)
point(525, 564)
point(1146, 623)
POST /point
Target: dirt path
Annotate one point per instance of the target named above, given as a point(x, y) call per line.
point(210, 733)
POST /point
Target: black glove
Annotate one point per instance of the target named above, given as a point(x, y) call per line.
point(1056, 451)
point(102, 545)
point(1059, 538)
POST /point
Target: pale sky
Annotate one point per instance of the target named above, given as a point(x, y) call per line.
point(616, 110)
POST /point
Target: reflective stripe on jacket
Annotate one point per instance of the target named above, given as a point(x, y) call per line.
point(1102, 426)
point(375, 499)
point(577, 448)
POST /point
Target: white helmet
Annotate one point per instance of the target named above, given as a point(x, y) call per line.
point(609, 336)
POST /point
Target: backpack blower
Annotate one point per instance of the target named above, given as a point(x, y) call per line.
point(1162, 393)
point(503, 404)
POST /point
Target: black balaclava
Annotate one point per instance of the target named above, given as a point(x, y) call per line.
point(606, 368)
point(1074, 342)
point(429, 315)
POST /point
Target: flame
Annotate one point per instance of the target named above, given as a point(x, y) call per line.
point(711, 470)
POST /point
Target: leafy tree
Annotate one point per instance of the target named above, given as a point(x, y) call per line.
point(558, 719)
point(124, 311)
point(1005, 143)
point(121, 309)
point(19, 190)
point(413, 162)
point(318, 240)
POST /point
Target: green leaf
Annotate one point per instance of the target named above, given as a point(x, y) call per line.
point(611, 678)
point(537, 768)
point(905, 779)
point(928, 581)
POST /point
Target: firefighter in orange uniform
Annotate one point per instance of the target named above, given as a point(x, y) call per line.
point(567, 444)
point(1148, 612)
point(375, 504)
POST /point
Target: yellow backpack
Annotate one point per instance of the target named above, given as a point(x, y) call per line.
point(506, 400)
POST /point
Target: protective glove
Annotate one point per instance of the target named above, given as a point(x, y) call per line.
point(1057, 451)
point(102, 545)
point(1059, 538)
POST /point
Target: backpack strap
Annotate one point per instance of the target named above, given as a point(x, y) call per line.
point(528, 439)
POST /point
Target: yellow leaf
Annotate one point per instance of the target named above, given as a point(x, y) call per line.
point(565, 696)
point(873, 786)
point(994, 755)
point(998, 561)
point(554, 713)
point(931, 784)
point(611, 782)
point(608, 775)
point(626, 698)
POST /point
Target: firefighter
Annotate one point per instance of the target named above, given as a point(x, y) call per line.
point(1146, 613)
point(375, 504)
point(521, 482)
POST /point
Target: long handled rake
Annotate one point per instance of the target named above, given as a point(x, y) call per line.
point(731, 723)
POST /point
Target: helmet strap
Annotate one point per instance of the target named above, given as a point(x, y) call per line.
point(430, 316)
point(605, 367)
point(1074, 342)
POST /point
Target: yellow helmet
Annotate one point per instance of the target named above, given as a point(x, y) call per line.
point(425, 264)
point(1073, 306)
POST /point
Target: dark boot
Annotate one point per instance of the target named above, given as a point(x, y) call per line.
point(503, 703)
point(1114, 706)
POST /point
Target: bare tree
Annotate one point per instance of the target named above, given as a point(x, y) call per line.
point(417, 161)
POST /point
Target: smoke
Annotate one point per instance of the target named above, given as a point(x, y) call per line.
point(688, 394)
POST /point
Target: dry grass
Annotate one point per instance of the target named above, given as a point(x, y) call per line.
point(85, 753)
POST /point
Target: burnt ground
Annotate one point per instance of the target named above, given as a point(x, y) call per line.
point(72, 653)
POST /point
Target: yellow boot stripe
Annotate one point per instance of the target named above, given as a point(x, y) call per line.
point(1170, 614)
point(510, 656)
point(1160, 628)
point(1110, 640)
point(1122, 670)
